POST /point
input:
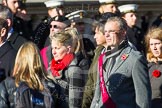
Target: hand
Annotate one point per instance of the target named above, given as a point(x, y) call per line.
point(23, 14)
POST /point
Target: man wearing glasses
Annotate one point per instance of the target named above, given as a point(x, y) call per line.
point(57, 24)
point(42, 31)
point(122, 72)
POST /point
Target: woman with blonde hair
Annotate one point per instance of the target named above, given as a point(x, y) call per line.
point(34, 87)
point(153, 41)
point(83, 60)
point(64, 67)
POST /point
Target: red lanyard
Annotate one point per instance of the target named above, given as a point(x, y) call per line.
point(107, 101)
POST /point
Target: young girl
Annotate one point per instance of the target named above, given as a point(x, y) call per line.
point(154, 57)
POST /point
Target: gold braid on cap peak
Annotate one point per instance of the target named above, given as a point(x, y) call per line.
point(81, 15)
point(56, 18)
point(161, 17)
point(129, 11)
point(24, 1)
point(105, 3)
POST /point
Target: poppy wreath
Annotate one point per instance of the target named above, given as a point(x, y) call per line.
point(156, 73)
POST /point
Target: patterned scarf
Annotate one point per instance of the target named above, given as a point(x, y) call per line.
point(57, 66)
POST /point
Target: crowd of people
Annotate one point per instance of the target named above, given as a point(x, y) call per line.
point(72, 61)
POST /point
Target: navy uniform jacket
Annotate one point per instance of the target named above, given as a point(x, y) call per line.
point(22, 27)
point(7, 59)
point(41, 33)
point(136, 37)
point(157, 21)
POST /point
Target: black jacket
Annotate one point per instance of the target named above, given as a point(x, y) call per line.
point(136, 36)
point(41, 33)
point(16, 40)
point(23, 27)
point(7, 93)
point(7, 59)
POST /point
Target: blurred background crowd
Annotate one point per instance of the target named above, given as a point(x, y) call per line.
point(148, 10)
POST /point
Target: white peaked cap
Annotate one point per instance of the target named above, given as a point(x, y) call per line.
point(107, 1)
point(53, 3)
point(128, 8)
point(76, 14)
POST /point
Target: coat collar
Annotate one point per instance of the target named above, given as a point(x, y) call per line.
point(115, 57)
point(117, 49)
point(5, 48)
point(122, 58)
point(13, 37)
point(119, 61)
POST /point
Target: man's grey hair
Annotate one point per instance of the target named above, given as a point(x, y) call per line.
point(122, 23)
point(5, 12)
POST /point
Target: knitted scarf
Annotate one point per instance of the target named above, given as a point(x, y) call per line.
point(59, 65)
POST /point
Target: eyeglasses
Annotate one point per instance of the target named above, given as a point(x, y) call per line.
point(114, 31)
point(55, 26)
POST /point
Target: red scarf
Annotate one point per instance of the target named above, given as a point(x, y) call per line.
point(106, 99)
point(57, 66)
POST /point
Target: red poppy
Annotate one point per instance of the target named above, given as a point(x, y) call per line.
point(156, 73)
point(124, 56)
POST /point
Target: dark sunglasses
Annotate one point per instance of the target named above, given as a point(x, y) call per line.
point(55, 26)
point(80, 23)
